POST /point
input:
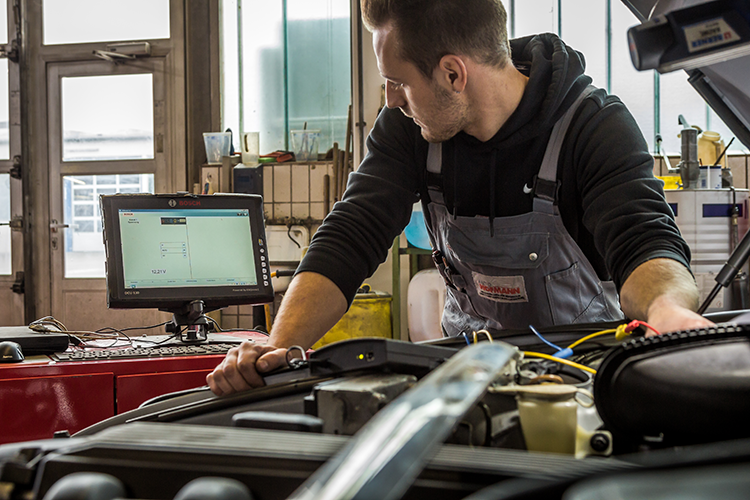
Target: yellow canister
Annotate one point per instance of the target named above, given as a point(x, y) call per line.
point(670, 181)
point(369, 316)
point(710, 146)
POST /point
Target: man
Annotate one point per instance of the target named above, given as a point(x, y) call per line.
point(522, 237)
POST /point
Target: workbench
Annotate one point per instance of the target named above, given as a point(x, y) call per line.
point(40, 396)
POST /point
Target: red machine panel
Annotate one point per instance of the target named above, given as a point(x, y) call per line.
point(39, 396)
point(34, 408)
point(132, 390)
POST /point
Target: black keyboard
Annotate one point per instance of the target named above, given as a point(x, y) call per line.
point(144, 352)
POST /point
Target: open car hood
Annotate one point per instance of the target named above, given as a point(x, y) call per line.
point(710, 40)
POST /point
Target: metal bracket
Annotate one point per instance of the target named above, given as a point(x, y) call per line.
point(10, 51)
point(120, 52)
point(112, 57)
point(19, 285)
point(134, 49)
point(15, 170)
point(15, 225)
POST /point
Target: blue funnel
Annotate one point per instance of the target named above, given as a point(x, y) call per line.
point(416, 230)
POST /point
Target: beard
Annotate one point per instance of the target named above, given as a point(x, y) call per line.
point(445, 117)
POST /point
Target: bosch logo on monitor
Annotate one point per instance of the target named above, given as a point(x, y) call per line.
point(172, 203)
point(192, 203)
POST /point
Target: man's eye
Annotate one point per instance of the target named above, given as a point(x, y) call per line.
point(396, 86)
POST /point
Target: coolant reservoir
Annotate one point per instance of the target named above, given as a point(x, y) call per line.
point(710, 146)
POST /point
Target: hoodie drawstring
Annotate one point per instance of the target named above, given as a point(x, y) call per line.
point(455, 182)
point(492, 191)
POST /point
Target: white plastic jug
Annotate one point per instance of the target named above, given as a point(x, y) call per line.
point(426, 299)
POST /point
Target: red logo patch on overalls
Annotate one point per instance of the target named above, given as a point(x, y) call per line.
point(507, 289)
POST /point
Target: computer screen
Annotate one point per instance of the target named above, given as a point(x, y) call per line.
point(165, 251)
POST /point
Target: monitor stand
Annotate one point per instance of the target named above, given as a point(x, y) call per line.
point(191, 315)
point(199, 326)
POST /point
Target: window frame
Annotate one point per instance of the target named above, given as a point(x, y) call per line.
point(13, 166)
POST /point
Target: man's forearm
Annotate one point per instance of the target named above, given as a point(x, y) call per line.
point(663, 293)
point(311, 306)
point(654, 282)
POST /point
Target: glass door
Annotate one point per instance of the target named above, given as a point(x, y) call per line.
point(106, 136)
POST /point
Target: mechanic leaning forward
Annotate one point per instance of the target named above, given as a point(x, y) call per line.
point(538, 188)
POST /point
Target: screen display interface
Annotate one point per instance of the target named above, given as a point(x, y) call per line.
point(184, 248)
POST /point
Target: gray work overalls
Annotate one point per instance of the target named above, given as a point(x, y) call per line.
point(527, 270)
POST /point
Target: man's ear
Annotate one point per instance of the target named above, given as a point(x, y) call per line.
point(452, 73)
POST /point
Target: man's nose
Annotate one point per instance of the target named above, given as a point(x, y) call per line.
point(394, 98)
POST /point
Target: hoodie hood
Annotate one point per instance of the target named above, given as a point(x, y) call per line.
point(556, 78)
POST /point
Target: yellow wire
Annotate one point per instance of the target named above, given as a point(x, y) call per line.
point(620, 333)
point(588, 337)
point(489, 337)
point(559, 360)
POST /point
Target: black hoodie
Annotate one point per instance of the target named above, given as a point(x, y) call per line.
point(609, 200)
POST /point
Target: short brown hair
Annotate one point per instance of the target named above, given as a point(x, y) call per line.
point(430, 29)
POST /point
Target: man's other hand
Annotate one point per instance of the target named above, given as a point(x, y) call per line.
point(243, 366)
point(667, 316)
point(664, 294)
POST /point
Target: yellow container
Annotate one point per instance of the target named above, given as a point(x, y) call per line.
point(710, 147)
point(670, 181)
point(369, 316)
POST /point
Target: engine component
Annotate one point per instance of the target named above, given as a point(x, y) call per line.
point(345, 405)
point(677, 389)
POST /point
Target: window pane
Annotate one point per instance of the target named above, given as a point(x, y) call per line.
point(535, 16)
point(583, 27)
point(129, 179)
point(81, 210)
point(677, 97)
point(4, 115)
point(107, 117)
point(635, 88)
point(84, 249)
point(5, 264)
point(319, 67)
point(304, 76)
point(230, 74)
point(85, 21)
point(263, 97)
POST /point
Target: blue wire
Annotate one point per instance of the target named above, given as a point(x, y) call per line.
point(466, 338)
point(543, 339)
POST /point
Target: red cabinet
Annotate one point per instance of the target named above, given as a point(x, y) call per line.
point(39, 396)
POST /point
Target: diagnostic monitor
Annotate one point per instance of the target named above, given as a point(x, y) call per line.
point(185, 254)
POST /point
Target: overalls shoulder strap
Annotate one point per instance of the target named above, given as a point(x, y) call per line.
point(434, 170)
point(546, 184)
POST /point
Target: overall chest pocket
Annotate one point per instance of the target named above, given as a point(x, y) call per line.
point(478, 249)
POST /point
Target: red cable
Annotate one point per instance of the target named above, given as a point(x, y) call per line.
point(636, 323)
